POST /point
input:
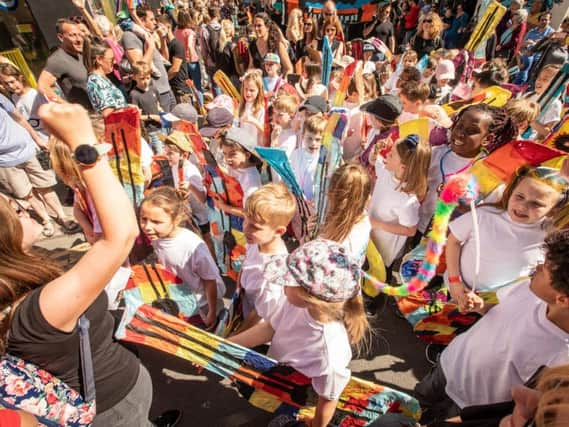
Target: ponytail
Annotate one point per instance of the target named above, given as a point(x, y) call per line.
point(91, 51)
point(355, 320)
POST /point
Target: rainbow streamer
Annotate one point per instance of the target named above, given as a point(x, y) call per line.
point(459, 188)
point(342, 91)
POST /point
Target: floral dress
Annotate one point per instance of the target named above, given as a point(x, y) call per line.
point(103, 93)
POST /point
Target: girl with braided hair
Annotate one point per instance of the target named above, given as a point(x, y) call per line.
point(477, 130)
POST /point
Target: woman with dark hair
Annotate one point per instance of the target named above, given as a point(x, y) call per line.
point(428, 37)
point(269, 39)
point(99, 61)
point(455, 36)
point(381, 27)
point(35, 326)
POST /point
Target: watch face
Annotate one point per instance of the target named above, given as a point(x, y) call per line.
point(86, 154)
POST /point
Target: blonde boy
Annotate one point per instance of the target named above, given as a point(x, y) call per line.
point(522, 112)
point(304, 160)
point(268, 211)
point(283, 135)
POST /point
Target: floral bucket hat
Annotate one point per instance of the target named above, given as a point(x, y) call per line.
point(322, 267)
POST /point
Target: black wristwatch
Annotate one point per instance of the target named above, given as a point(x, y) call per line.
point(87, 155)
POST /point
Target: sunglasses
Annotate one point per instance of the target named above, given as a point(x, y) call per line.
point(308, 24)
point(329, 13)
point(428, 21)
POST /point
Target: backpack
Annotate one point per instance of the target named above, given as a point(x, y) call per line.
point(213, 46)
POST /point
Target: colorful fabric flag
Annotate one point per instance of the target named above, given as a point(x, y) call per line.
point(262, 381)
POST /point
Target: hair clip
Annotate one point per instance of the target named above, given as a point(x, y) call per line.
point(413, 139)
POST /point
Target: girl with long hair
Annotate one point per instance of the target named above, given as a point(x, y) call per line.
point(347, 221)
point(400, 186)
point(252, 106)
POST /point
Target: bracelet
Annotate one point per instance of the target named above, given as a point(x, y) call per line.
point(454, 279)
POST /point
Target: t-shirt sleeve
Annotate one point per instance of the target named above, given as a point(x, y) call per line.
point(193, 176)
point(331, 386)
point(553, 114)
point(54, 66)
point(461, 227)
point(408, 213)
point(203, 264)
point(131, 41)
point(6, 104)
point(177, 50)
point(145, 154)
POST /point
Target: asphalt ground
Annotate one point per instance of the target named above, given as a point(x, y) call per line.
point(394, 358)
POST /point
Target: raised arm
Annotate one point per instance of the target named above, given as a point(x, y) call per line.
point(46, 81)
point(80, 4)
point(63, 300)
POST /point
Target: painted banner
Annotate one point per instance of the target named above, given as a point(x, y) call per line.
point(349, 12)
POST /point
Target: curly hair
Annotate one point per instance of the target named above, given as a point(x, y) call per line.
point(557, 258)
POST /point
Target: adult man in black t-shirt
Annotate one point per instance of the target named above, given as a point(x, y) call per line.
point(65, 67)
point(174, 51)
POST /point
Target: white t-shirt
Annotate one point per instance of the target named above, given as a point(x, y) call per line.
point(191, 175)
point(146, 154)
point(504, 348)
point(352, 142)
point(321, 351)
point(358, 239)
point(390, 204)
point(27, 105)
point(187, 256)
point(406, 116)
point(508, 250)
point(260, 294)
point(304, 166)
point(249, 179)
point(254, 131)
point(286, 142)
point(451, 164)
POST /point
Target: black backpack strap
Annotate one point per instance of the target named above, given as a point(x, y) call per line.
point(88, 377)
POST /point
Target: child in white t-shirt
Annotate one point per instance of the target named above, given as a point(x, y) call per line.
point(321, 284)
point(283, 135)
point(188, 180)
point(268, 212)
point(252, 106)
point(26, 99)
point(549, 117)
point(182, 251)
point(401, 184)
point(516, 225)
point(304, 160)
point(241, 160)
point(347, 221)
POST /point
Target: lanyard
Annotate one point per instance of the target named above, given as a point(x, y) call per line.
point(445, 176)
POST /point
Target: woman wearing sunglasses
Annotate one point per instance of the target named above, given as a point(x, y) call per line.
point(428, 37)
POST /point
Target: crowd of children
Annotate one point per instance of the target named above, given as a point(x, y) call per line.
point(407, 123)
